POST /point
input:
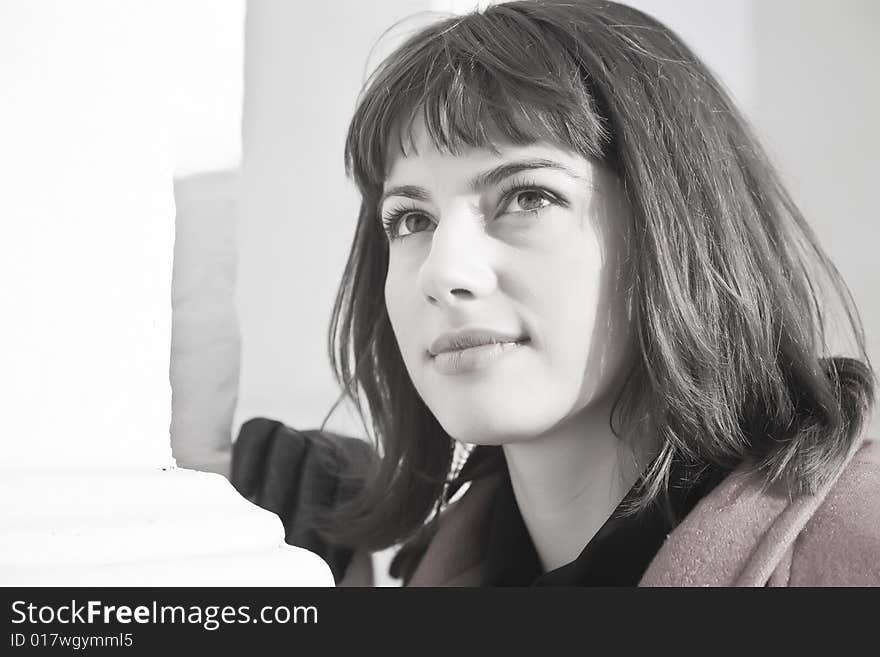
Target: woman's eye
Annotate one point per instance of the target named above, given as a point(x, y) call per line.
point(403, 222)
point(527, 200)
point(414, 222)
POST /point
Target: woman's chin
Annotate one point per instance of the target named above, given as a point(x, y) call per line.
point(493, 429)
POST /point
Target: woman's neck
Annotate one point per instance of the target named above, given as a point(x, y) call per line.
point(568, 481)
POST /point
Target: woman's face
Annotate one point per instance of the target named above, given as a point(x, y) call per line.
point(518, 251)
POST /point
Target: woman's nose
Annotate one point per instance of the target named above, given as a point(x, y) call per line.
point(458, 267)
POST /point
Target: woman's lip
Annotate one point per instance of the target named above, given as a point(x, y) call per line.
point(466, 338)
point(474, 359)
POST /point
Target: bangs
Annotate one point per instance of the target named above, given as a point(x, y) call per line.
point(475, 81)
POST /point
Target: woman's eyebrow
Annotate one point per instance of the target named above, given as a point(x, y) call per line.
point(486, 179)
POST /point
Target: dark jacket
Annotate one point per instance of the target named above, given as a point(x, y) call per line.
point(295, 474)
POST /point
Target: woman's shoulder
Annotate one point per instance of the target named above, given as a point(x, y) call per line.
point(840, 545)
point(743, 534)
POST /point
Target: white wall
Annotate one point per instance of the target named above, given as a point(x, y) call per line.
point(817, 105)
point(303, 73)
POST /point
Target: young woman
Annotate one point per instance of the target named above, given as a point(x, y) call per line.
point(573, 256)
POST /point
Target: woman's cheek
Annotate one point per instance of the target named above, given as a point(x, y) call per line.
point(570, 300)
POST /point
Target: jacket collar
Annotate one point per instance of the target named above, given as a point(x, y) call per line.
point(742, 534)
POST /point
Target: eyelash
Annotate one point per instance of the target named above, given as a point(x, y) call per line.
point(507, 192)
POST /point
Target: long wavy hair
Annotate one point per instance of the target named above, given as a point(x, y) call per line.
point(730, 293)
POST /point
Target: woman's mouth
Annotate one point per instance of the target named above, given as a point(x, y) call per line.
point(474, 359)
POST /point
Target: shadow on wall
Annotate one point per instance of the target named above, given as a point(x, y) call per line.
point(205, 338)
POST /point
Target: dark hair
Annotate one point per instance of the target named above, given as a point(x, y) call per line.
point(729, 289)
